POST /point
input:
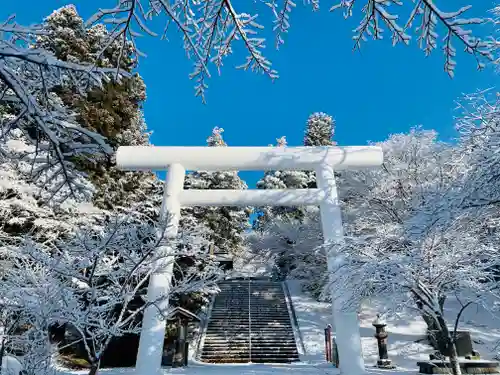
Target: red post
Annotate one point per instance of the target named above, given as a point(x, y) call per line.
point(328, 343)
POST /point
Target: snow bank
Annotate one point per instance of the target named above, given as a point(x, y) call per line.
point(406, 342)
point(11, 366)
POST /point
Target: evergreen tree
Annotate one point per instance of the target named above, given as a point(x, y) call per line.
point(227, 224)
point(279, 180)
point(113, 110)
point(319, 130)
point(24, 209)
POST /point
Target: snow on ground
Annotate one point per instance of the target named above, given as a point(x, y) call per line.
point(196, 369)
point(314, 316)
point(249, 265)
point(406, 331)
point(405, 348)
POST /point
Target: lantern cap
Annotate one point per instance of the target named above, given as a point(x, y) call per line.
point(179, 312)
point(379, 321)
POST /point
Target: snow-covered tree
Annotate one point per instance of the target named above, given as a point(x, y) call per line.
point(407, 210)
point(33, 209)
point(83, 108)
point(209, 31)
point(432, 256)
point(293, 245)
point(32, 300)
point(28, 78)
point(227, 224)
point(112, 110)
point(280, 180)
point(303, 260)
point(479, 127)
point(319, 130)
point(101, 278)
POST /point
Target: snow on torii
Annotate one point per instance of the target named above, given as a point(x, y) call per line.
point(176, 160)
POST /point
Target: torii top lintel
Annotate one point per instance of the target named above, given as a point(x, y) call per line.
point(152, 158)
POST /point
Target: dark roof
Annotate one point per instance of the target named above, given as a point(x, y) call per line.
point(183, 312)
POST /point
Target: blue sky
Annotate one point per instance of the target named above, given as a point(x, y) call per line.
point(371, 94)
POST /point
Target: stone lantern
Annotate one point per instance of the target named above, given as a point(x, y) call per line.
point(381, 336)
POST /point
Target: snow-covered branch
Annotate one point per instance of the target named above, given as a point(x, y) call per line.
point(98, 278)
point(209, 29)
point(425, 18)
point(30, 76)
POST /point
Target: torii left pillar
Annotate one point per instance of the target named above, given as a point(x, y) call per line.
point(153, 326)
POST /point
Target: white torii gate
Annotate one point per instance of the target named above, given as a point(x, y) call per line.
point(176, 160)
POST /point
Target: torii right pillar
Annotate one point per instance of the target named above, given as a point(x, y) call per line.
point(345, 323)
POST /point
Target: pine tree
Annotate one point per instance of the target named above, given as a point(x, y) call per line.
point(279, 180)
point(319, 130)
point(112, 110)
point(227, 224)
point(23, 207)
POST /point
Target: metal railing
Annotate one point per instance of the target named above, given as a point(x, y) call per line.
point(295, 322)
point(249, 320)
point(203, 329)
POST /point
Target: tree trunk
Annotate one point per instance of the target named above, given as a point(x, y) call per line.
point(2, 352)
point(94, 368)
point(452, 349)
point(435, 334)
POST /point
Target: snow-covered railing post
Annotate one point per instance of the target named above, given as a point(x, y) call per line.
point(323, 160)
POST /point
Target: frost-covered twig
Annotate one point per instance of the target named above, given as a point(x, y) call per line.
point(29, 76)
point(430, 15)
point(101, 276)
point(208, 29)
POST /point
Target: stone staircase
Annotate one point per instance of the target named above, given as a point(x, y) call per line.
point(249, 323)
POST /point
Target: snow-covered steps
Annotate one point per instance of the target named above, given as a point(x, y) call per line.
point(249, 322)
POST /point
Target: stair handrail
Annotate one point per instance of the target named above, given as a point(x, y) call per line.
point(249, 321)
point(295, 322)
point(203, 328)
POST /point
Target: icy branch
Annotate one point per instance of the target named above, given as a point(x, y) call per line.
point(429, 15)
point(28, 78)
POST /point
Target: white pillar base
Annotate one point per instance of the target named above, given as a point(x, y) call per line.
point(348, 340)
point(345, 323)
point(150, 352)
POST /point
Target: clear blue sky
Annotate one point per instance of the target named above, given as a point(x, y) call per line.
point(371, 94)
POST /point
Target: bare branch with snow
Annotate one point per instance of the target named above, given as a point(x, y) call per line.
point(101, 277)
